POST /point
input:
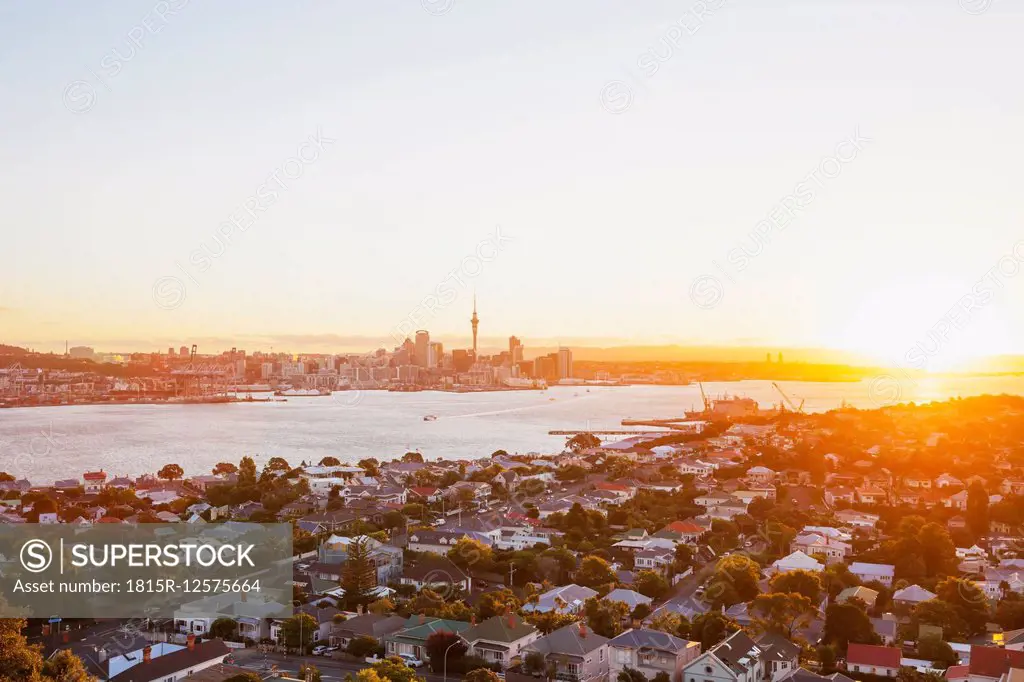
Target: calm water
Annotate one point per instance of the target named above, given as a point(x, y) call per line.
point(47, 443)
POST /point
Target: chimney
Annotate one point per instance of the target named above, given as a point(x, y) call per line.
point(423, 619)
point(511, 618)
point(65, 636)
point(147, 654)
point(472, 619)
point(191, 640)
point(583, 630)
point(101, 654)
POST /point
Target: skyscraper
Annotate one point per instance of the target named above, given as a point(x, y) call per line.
point(515, 349)
point(474, 321)
point(564, 363)
point(422, 347)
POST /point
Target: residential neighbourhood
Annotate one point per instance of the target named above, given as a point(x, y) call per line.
point(730, 555)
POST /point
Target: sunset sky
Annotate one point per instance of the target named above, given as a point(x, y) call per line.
point(616, 189)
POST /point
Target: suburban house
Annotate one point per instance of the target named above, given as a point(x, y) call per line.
point(386, 559)
point(500, 639)
point(628, 597)
point(911, 596)
point(780, 655)
point(873, 659)
point(990, 664)
point(564, 599)
point(871, 495)
point(735, 659)
point(412, 639)
point(814, 543)
point(433, 572)
point(681, 532)
point(867, 572)
point(574, 653)
point(373, 625)
point(797, 561)
point(654, 559)
point(857, 519)
point(864, 594)
point(651, 652)
point(93, 481)
point(164, 661)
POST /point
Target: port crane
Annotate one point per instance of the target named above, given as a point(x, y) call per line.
point(788, 401)
point(704, 397)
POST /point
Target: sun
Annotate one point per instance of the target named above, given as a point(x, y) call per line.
point(919, 324)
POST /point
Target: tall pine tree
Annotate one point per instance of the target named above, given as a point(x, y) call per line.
point(359, 574)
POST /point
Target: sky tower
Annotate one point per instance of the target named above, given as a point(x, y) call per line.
point(474, 321)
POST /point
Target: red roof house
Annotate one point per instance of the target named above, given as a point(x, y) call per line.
point(873, 659)
point(994, 662)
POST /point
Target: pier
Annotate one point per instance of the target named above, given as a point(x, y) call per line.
point(607, 432)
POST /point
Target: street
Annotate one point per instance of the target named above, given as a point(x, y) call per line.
point(330, 668)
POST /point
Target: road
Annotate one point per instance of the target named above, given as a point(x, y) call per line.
point(330, 669)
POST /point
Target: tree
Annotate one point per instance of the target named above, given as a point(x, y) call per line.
point(370, 465)
point(244, 677)
point(5, 477)
point(223, 628)
point(247, 472)
point(968, 600)
point(369, 675)
point(496, 603)
point(651, 584)
point(672, 623)
point(482, 675)
point(941, 614)
point(171, 472)
point(711, 628)
point(224, 468)
point(826, 659)
point(837, 577)
point(412, 457)
point(977, 509)
point(939, 652)
point(802, 582)
point(381, 607)
point(441, 643)
point(595, 572)
point(358, 574)
point(330, 462)
point(582, 441)
point(548, 621)
point(845, 623)
point(937, 550)
point(298, 630)
point(64, 666)
point(630, 675)
point(735, 580)
point(782, 613)
point(362, 646)
point(308, 671)
point(469, 552)
point(605, 617)
point(395, 670)
point(277, 464)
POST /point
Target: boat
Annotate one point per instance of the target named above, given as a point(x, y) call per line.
point(303, 392)
point(430, 418)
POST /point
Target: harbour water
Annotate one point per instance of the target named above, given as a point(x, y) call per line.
point(49, 443)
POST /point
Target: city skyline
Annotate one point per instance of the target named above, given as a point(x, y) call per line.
point(860, 200)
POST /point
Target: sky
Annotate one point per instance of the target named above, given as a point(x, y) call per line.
point(819, 173)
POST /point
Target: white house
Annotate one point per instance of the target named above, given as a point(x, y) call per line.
point(867, 572)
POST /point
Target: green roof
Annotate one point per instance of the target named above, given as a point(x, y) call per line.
point(500, 629)
point(415, 631)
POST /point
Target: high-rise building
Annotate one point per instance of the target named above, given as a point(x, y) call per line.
point(462, 361)
point(564, 363)
point(475, 321)
point(422, 348)
point(183, 351)
point(515, 349)
point(170, 351)
point(435, 352)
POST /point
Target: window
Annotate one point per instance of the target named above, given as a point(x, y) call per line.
point(600, 655)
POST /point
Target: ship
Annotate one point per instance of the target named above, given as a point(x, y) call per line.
point(303, 393)
point(430, 418)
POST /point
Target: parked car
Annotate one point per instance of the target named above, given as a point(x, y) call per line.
point(411, 660)
point(320, 650)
